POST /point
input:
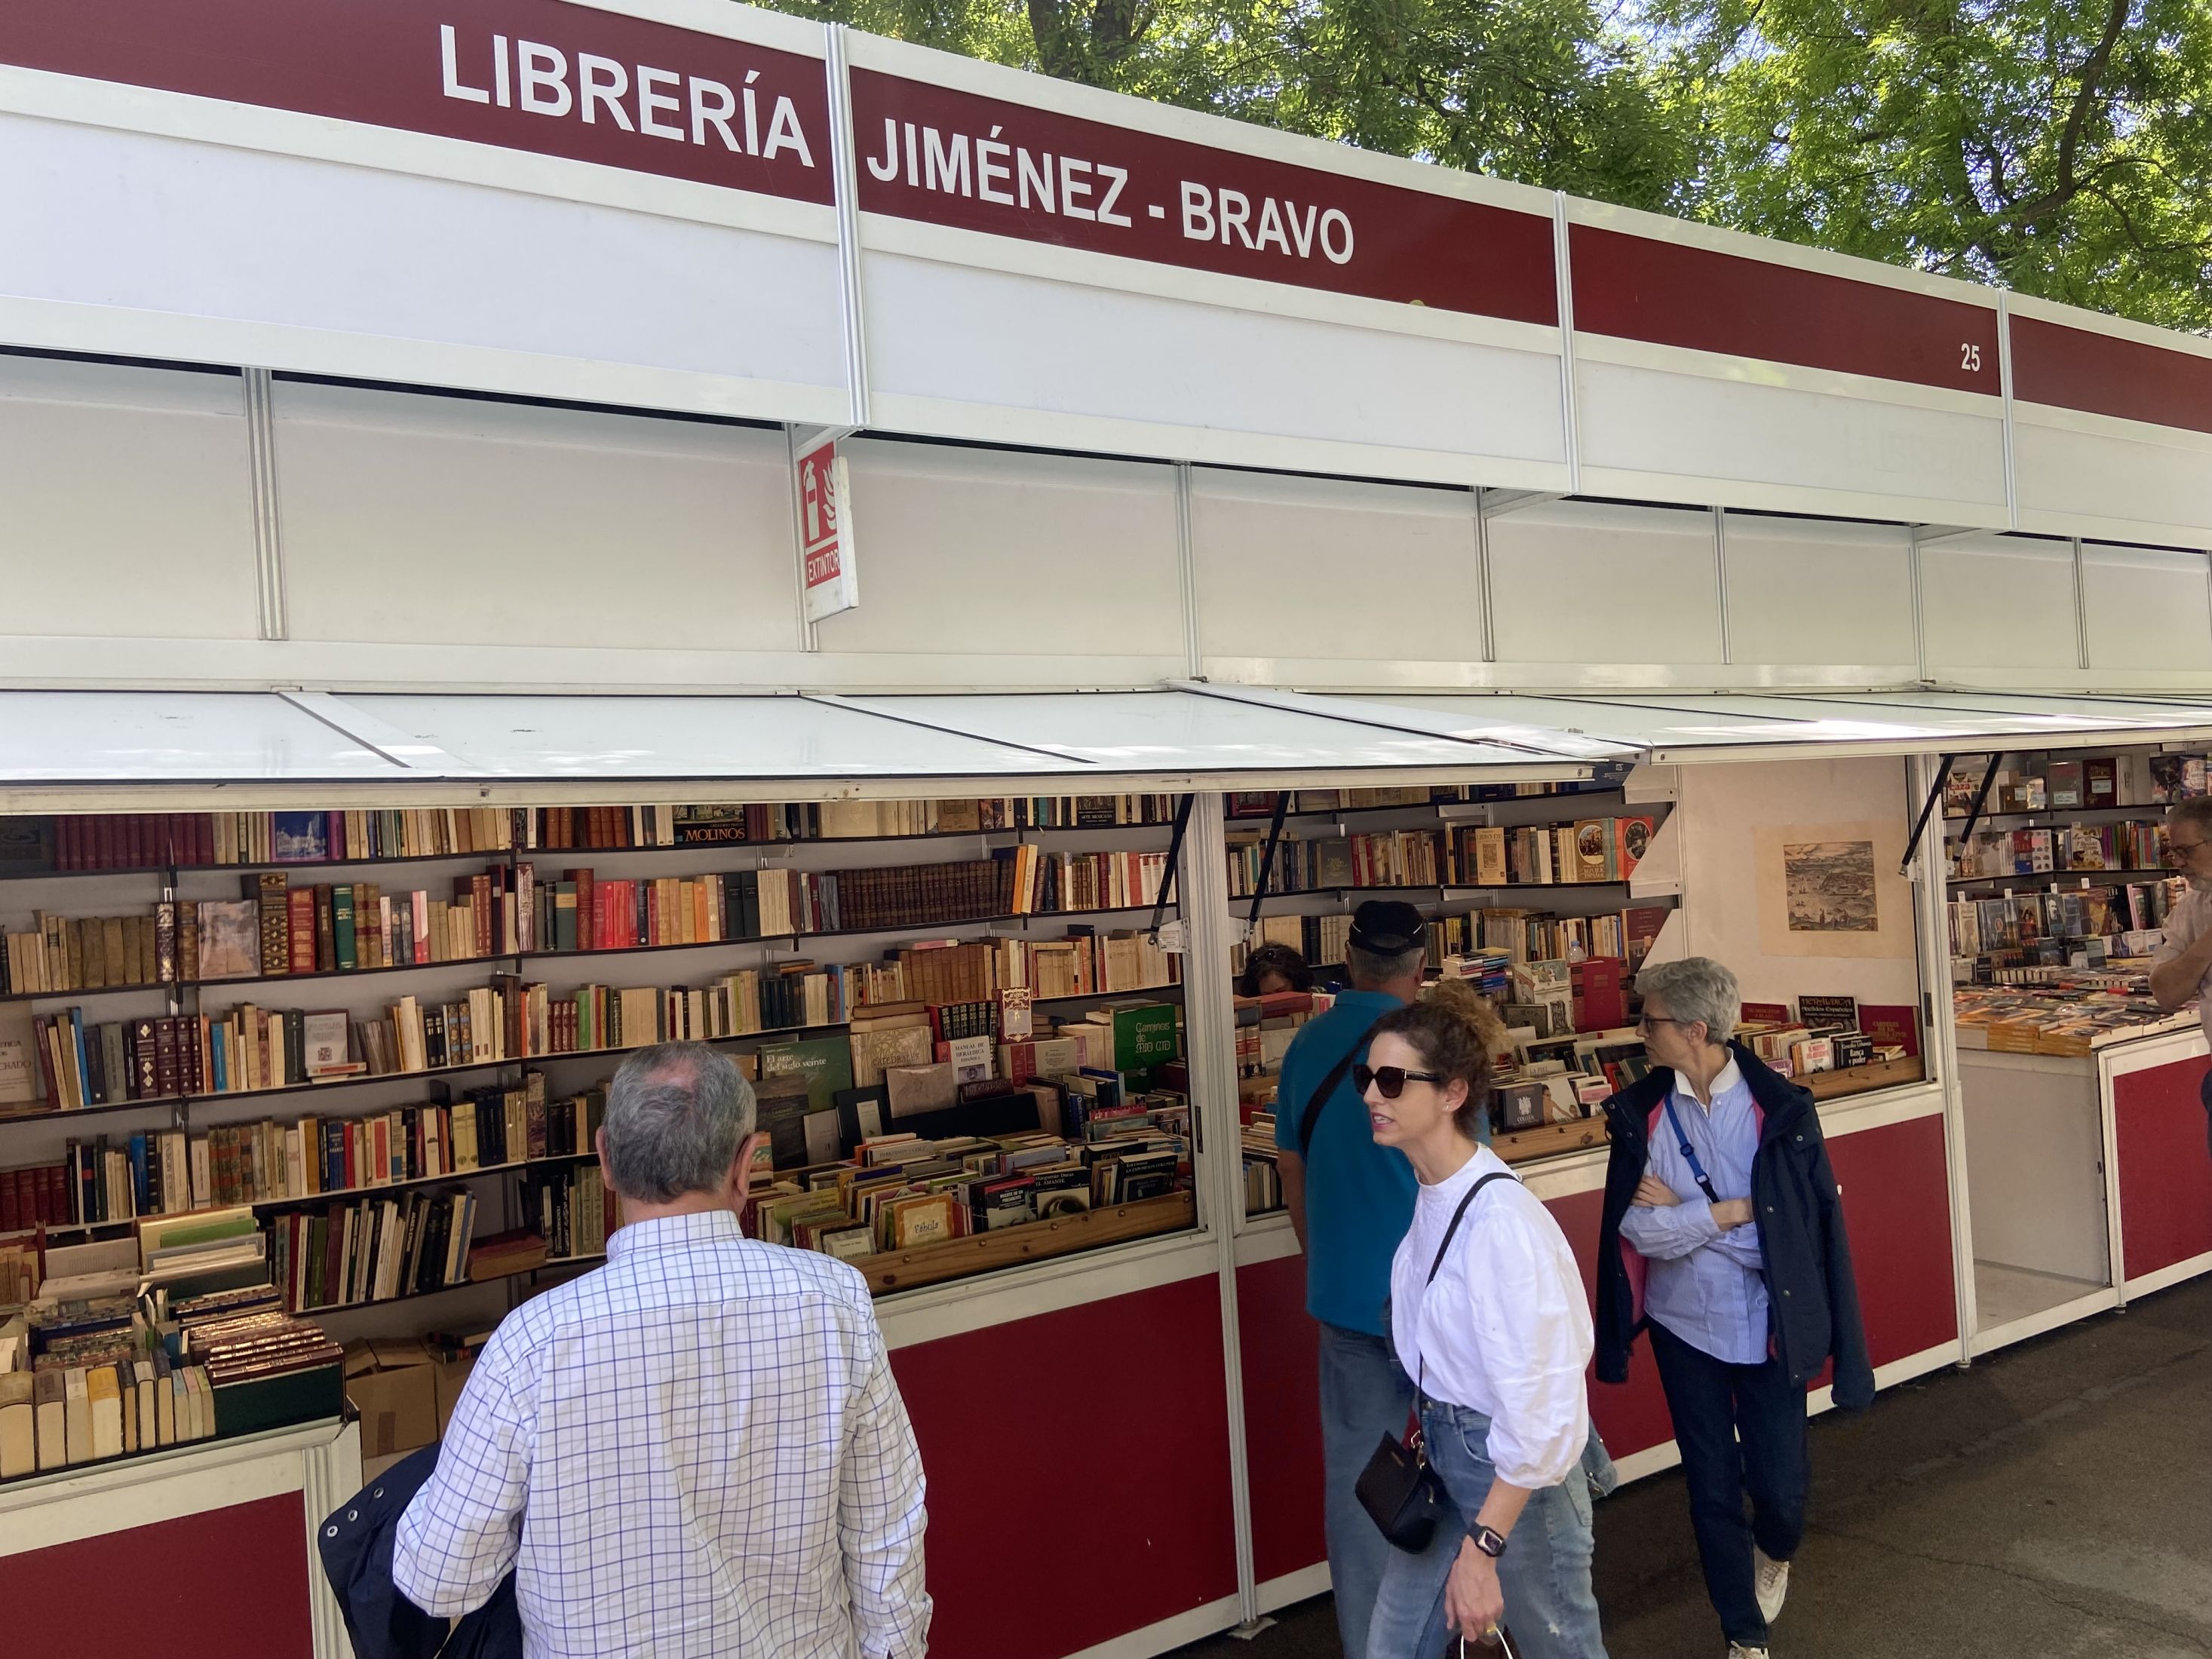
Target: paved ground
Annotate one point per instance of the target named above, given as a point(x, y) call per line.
point(2055, 1500)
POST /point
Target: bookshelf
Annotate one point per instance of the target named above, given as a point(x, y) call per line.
point(1069, 879)
point(2065, 867)
point(1507, 881)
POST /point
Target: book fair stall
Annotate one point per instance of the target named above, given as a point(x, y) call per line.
point(909, 572)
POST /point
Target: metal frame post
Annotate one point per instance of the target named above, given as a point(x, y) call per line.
point(1210, 1044)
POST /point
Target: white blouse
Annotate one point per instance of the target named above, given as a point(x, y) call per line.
point(1505, 1328)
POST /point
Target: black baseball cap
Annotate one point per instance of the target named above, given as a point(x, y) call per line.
point(1387, 927)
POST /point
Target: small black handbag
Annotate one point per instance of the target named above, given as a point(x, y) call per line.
point(1398, 1489)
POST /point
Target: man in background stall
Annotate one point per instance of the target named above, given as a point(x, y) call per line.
point(2181, 968)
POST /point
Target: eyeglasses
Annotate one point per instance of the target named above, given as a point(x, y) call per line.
point(1651, 1020)
point(2182, 849)
point(1391, 1079)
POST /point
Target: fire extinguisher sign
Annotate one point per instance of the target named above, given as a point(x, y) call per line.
point(826, 533)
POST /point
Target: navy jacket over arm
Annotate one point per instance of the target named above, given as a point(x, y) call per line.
point(356, 1545)
point(1810, 1283)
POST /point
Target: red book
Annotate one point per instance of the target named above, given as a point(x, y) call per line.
point(1598, 1003)
point(299, 917)
point(11, 1214)
point(586, 908)
point(103, 834)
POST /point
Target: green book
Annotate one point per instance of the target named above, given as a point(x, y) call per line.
point(1145, 1039)
point(564, 915)
point(342, 926)
point(825, 1063)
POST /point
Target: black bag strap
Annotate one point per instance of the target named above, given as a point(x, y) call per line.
point(1689, 1152)
point(1420, 1391)
point(1319, 1099)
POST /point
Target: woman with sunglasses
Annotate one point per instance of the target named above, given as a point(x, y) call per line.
point(1497, 1340)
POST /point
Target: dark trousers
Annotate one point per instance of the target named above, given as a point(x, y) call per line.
point(1742, 1429)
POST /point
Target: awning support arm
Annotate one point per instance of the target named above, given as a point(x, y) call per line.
point(1981, 799)
point(1169, 881)
point(1267, 859)
point(1928, 807)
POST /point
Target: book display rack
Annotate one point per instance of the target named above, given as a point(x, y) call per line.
point(964, 1036)
point(1527, 892)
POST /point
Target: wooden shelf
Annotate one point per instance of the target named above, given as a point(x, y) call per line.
point(441, 1290)
point(1035, 1240)
point(1549, 1139)
point(1858, 1079)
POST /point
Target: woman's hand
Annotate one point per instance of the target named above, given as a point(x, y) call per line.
point(1473, 1600)
point(1653, 1191)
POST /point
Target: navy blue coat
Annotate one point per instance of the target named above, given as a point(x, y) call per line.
point(356, 1544)
point(1809, 1285)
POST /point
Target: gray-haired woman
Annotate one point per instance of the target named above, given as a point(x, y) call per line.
point(1719, 1200)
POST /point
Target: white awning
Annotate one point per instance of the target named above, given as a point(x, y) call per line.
point(102, 750)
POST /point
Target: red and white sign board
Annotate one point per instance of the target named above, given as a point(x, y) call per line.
point(634, 202)
point(2112, 426)
point(1715, 367)
point(1045, 263)
point(826, 533)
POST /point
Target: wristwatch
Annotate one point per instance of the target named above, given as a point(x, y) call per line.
point(1488, 1540)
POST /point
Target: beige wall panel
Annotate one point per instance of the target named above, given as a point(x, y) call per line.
point(126, 505)
point(460, 521)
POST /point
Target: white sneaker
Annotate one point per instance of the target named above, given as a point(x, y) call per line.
point(1771, 1581)
point(1737, 1650)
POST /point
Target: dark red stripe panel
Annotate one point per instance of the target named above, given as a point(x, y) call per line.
point(949, 157)
point(527, 75)
point(1639, 287)
point(2074, 368)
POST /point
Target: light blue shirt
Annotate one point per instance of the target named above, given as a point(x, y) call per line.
point(1706, 1286)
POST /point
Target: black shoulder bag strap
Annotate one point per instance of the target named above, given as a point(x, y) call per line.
point(1328, 1087)
point(1495, 1174)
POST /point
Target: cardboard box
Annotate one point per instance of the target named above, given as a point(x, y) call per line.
point(393, 1384)
point(450, 1364)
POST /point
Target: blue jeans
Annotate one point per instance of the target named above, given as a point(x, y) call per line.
point(1550, 1607)
point(1740, 1428)
point(1365, 1394)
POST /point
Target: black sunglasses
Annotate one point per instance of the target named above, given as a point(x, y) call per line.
point(1391, 1079)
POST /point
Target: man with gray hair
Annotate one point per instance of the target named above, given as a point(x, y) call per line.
point(697, 1449)
point(1719, 1200)
point(2181, 968)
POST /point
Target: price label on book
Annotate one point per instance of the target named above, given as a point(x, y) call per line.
point(826, 533)
point(1171, 936)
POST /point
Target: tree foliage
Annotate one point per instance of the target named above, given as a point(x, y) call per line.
point(2063, 148)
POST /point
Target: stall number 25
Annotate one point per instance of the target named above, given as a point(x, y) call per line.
point(1970, 358)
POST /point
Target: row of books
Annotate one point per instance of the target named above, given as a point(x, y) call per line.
point(373, 1249)
point(2129, 918)
point(1605, 850)
point(1518, 935)
point(59, 1416)
point(172, 1172)
point(2129, 845)
point(85, 1062)
point(2046, 783)
point(279, 930)
point(1547, 855)
point(149, 841)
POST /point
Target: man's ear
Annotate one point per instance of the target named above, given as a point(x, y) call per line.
point(741, 1172)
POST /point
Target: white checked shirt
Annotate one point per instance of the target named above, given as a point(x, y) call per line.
point(697, 1450)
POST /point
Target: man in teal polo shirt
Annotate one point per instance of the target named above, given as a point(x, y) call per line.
point(1351, 1202)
